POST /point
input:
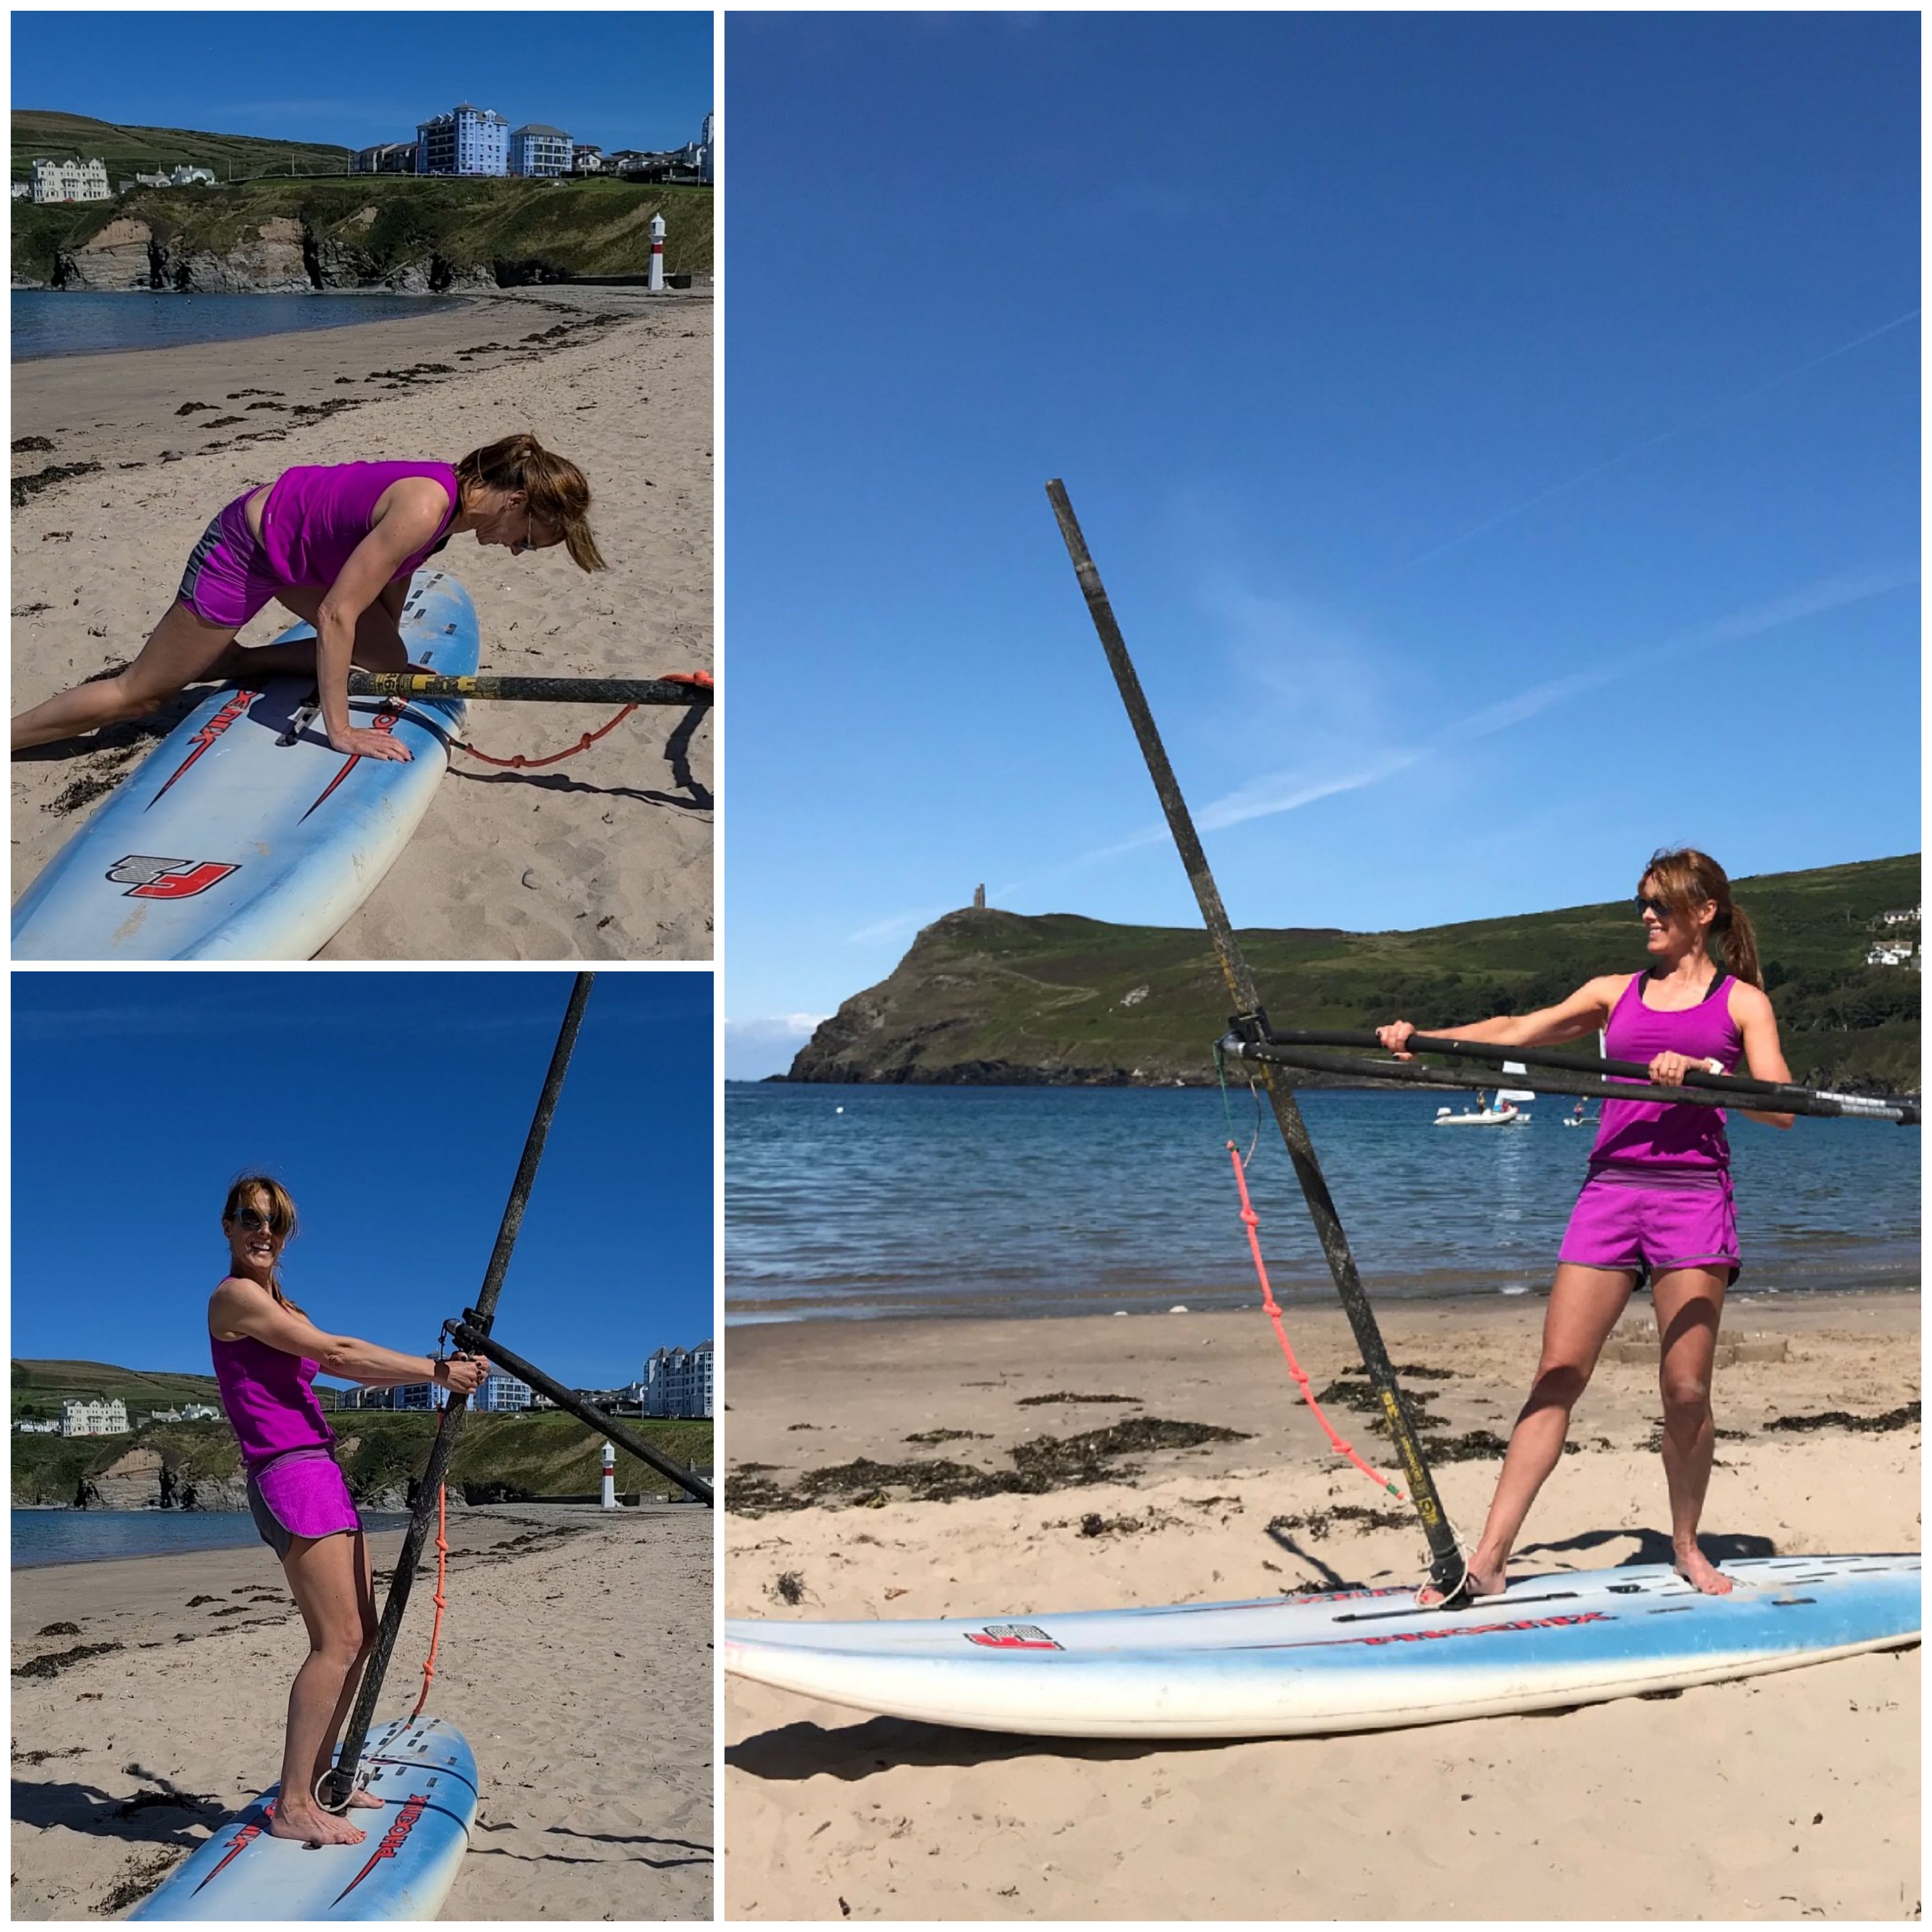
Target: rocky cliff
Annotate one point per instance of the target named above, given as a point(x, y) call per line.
point(396, 233)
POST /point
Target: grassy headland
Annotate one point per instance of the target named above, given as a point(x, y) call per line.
point(997, 998)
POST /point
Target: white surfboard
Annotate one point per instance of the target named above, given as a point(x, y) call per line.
point(243, 835)
point(1351, 1661)
point(422, 1770)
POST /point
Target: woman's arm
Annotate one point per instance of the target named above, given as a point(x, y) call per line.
point(411, 514)
point(1764, 1057)
point(1584, 1012)
point(242, 1307)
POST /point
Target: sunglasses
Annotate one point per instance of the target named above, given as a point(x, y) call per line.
point(251, 1221)
point(1657, 906)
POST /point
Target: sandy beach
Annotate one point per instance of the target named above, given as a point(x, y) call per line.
point(1791, 1795)
point(576, 1657)
point(606, 855)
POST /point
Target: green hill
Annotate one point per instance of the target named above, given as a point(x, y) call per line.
point(498, 1458)
point(40, 1387)
point(42, 134)
point(993, 997)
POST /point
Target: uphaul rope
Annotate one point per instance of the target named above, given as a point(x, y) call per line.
point(1564, 1073)
point(1448, 1571)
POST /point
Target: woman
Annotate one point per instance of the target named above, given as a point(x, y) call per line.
point(1656, 1200)
point(336, 546)
point(266, 1353)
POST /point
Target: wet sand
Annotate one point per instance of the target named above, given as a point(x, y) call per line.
point(576, 1658)
point(1785, 1796)
point(607, 855)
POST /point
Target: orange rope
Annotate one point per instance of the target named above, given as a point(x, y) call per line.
point(442, 1569)
point(1252, 1221)
point(520, 764)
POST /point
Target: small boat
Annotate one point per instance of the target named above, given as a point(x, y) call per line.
point(1486, 1117)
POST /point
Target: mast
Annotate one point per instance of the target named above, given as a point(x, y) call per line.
point(1446, 1568)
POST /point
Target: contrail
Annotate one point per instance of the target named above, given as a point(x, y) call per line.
point(1651, 442)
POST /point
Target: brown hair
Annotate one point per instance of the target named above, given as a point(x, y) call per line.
point(281, 1219)
point(553, 487)
point(1687, 877)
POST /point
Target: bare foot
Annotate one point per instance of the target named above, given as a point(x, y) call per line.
point(1701, 1573)
point(312, 1825)
point(1484, 1580)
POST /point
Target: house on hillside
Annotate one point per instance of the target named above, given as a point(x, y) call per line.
point(70, 180)
point(1892, 953)
point(23, 190)
point(94, 1418)
point(385, 157)
point(586, 158)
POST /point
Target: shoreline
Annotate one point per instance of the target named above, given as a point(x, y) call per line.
point(608, 857)
point(1293, 1302)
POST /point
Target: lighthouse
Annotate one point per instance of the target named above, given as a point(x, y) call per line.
point(657, 251)
point(610, 1496)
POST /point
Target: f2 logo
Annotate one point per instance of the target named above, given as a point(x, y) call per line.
point(148, 878)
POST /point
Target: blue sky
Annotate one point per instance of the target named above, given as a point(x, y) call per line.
point(394, 1107)
point(1498, 434)
point(616, 79)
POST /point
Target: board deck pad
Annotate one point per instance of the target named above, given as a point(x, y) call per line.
point(422, 1770)
point(243, 834)
point(1346, 1661)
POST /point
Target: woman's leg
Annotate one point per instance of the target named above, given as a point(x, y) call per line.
point(379, 642)
point(330, 1577)
point(182, 648)
point(1689, 1304)
point(1584, 1305)
point(365, 1600)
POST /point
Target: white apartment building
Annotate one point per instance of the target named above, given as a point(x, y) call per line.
point(678, 1382)
point(70, 181)
point(539, 153)
point(467, 140)
point(94, 1418)
point(501, 1394)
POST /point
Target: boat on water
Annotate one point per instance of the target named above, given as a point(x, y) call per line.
point(1506, 1115)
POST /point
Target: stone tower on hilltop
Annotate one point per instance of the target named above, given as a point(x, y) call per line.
point(978, 898)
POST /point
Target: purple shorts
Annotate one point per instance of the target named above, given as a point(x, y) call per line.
point(1650, 1223)
point(228, 581)
point(300, 1492)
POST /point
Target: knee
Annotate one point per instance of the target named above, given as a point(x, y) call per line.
point(123, 702)
point(1686, 1396)
point(1558, 1384)
point(342, 1646)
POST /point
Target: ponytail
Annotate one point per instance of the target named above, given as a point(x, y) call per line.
point(553, 486)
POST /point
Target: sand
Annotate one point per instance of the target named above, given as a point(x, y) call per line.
point(577, 1661)
point(1790, 1795)
point(606, 855)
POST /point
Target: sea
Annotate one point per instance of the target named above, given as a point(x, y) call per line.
point(49, 322)
point(862, 1202)
point(45, 1536)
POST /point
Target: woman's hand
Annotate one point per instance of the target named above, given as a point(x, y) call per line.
point(462, 1375)
point(1395, 1037)
point(356, 742)
point(1668, 1069)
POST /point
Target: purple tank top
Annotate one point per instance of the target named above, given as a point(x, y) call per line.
point(315, 517)
point(1655, 1134)
point(271, 1406)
